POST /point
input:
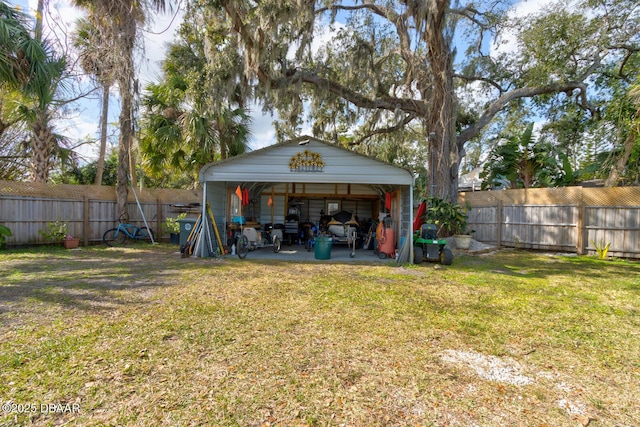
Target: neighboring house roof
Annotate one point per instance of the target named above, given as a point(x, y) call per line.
point(470, 181)
point(273, 164)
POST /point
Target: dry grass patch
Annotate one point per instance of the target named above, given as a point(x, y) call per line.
point(142, 337)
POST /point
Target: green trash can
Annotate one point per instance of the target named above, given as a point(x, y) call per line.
point(323, 247)
point(186, 225)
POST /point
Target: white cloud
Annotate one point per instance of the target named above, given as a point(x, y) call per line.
point(506, 43)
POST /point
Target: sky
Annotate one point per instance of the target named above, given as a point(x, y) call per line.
point(83, 123)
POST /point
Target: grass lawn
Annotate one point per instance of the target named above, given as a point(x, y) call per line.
point(141, 337)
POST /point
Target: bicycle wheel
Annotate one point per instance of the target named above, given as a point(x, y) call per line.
point(114, 237)
point(242, 246)
point(144, 234)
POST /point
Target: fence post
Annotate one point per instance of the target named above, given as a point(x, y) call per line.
point(499, 223)
point(580, 238)
point(159, 219)
point(86, 229)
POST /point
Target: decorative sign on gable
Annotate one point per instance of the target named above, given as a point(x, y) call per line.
point(306, 161)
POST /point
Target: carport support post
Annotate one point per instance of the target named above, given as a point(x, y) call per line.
point(410, 242)
point(204, 216)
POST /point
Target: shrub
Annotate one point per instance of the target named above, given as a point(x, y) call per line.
point(56, 231)
point(171, 225)
point(451, 218)
point(4, 233)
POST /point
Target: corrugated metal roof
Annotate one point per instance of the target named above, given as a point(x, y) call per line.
point(272, 164)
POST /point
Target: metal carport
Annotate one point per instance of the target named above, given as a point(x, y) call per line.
point(310, 172)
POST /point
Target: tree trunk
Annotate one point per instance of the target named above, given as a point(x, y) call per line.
point(441, 116)
point(133, 174)
point(103, 134)
point(41, 145)
point(124, 146)
point(125, 83)
point(621, 163)
point(39, 15)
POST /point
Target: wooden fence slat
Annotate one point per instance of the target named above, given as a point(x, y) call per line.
point(26, 208)
point(567, 219)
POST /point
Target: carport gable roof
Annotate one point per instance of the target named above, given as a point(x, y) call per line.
point(272, 164)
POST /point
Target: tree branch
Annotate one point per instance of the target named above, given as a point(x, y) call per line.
point(409, 106)
point(480, 79)
point(526, 92)
point(383, 131)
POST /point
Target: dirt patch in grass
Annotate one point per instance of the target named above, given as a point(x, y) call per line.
point(139, 336)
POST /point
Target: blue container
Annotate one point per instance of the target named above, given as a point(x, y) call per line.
point(323, 247)
point(239, 220)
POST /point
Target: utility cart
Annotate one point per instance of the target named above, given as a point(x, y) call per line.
point(427, 246)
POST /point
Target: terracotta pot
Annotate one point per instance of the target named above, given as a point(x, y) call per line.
point(71, 243)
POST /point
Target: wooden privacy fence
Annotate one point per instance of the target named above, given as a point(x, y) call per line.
point(89, 210)
point(562, 219)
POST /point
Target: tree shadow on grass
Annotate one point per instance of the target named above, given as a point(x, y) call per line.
point(89, 279)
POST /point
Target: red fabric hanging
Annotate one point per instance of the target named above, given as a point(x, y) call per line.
point(419, 219)
point(387, 201)
point(245, 197)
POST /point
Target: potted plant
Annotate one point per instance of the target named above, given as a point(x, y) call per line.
point(451, 219)
point(171, 226)
point(71, 242)
point(58, 231)
point(461, 235)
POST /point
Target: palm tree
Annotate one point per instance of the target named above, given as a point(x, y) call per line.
point(12, 150)
point(233, 131)
point(29, 66)
point(185, 124)
point(185, 139)
point(182, 135)
point(117, 21)
point(91, 44)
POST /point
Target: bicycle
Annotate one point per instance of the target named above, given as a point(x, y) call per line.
point(240, 241)
point(118, 236)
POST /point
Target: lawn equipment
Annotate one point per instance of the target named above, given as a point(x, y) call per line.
point(247, 239)
point(385, 239)
point(427, 246)
point(343, 228)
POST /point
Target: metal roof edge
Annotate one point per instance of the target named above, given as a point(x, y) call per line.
point(297, 140)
